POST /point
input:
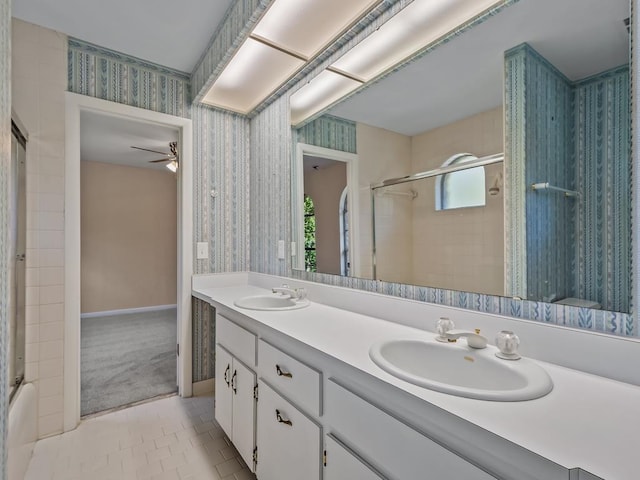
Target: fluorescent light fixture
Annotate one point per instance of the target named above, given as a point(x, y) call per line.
point(172, 165)
point(305, 27)
point(318, 94)
point(290, 33)
point(413, 28)
point(253, 73)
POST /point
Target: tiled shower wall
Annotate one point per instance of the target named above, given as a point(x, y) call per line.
point(39, 82)
point(5, 175)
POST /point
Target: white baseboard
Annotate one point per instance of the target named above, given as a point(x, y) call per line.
point(203, 387)
point(109, 313)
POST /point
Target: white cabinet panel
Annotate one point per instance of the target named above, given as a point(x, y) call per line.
point(391, 446)
point(288, 441)
point(244, 411)
point(342, 464)
point(223, 401)
point(294, 379)
point(240, 342)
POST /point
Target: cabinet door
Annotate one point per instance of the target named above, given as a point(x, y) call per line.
point(288, 441)
point(223, 405)
point(341, 463)
point(244, 412)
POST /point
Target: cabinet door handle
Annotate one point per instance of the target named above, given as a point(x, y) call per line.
point(282, 420)
point(233, 381)
point(282, 373)
point(226, 374)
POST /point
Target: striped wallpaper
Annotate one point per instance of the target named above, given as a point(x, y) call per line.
point(603, 161)
point(5, 175)
point(221, 202)
point(102, 73)
point(574, 135)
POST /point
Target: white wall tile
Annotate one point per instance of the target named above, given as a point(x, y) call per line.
point(49, 350)
point(53, 257)
point(51, 331)
point(51, 313)
point(52, 275)
point(51, 294)
point(48, 387)
point(32, 333)
point(51, 368)
point(50, 405)
point(49, 425)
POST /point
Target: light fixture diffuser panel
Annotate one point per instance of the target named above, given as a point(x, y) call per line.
point(305, 27)
point(255, 71)
point(413, 28)
point(318, 94)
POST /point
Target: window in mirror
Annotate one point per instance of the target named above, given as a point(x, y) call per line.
point(465, 188)
point(309, 235)
point(344, 233)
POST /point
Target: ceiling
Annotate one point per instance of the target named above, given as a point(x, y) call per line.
point(169, 33)
point(108, 139)
point(465, 75)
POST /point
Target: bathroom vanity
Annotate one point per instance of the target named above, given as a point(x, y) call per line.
point(299, 396)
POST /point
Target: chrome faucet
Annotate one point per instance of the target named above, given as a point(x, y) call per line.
point(293, 293)
point(474, 339)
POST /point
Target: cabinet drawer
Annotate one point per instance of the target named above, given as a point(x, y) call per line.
point(341, 463)
point(240, 342)
point(288, 441)
point(392, 447)
point(297, 381)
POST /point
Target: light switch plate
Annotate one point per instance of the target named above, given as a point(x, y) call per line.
point(202, 250)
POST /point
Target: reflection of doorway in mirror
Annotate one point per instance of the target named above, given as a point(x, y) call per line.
point(324, 182)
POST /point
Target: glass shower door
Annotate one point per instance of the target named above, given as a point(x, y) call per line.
point(17, 264)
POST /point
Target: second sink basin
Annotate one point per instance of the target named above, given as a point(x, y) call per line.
point(270, 302)
point(458, 370)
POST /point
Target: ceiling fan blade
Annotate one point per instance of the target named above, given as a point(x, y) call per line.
point(161, 160)
point(154, 151)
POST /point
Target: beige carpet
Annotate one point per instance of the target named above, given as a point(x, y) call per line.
point(127, 358)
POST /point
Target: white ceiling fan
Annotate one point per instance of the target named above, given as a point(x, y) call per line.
point(170, 158)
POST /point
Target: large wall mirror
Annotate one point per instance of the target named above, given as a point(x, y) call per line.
point(543, 84)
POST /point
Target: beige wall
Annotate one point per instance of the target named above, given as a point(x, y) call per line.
point(460, 249)
point(325, 187)
point(128, 237)
point(39, 80)
point(384, 154)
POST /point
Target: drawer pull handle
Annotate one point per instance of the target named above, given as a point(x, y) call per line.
point(233, 381)
point(226, 374)
point(282, 420)
point(281, 373)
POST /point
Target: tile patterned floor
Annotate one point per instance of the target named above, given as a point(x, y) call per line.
point(168, 439)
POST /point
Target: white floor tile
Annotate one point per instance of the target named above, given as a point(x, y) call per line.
point(168, 439)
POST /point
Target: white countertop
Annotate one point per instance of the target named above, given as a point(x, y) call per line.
point(586, 421)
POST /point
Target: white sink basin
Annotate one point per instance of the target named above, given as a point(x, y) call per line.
point(270, 302)
point(459, 370)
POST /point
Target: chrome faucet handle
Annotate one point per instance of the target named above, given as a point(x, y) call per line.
point(507, 343)
point(301, 293)
point(443, 325)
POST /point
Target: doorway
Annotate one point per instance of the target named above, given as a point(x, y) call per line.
point(128, 230)
point(75, 106)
